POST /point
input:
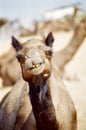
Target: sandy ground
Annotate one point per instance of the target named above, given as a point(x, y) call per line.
point(75, 75)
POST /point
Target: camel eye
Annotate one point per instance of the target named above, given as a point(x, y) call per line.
point(21, 58)
point(49, 52)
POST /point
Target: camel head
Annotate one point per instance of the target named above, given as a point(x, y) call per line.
point(34, 57)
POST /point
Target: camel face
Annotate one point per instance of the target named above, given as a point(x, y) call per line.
point(34, 57)
point(33, 60)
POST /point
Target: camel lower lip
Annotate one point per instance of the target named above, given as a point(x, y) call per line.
point(38, 70)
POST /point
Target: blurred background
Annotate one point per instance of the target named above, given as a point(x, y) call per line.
point(26, 13)
point(27, 10)
point(27, 19)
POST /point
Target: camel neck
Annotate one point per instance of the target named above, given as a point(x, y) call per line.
point(42, 106)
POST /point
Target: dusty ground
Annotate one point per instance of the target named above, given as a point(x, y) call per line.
point(74, 77)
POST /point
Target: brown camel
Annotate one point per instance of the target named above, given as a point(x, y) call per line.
point(52, 106)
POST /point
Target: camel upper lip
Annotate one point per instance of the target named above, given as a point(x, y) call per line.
point(37, 65)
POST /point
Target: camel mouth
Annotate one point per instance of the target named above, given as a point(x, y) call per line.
point(37, 68)
point(34, 66)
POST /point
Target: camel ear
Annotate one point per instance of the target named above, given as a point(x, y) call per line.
point(49, 40)
point(16, 44)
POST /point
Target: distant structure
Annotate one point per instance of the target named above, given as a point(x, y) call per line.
point(62, 12)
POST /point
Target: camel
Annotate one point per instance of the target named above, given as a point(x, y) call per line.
point(7, 63)
point(54, 26)
point(15, 108)
point(8, 60)
point(67, 53)
point(52, 107)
